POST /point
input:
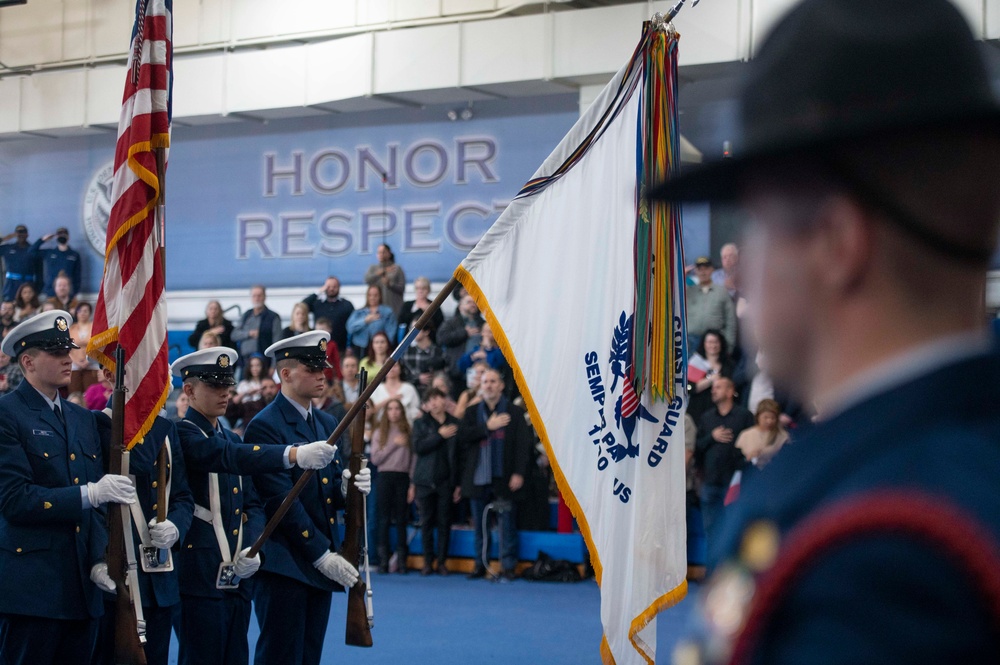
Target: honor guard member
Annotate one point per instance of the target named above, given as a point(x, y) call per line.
point(868, 172)
point(159, 593)
point(301, 566)
point(53, 534)
point(18, 262)
point(215, 603)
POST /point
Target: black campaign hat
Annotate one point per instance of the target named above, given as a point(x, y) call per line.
point(841, 70)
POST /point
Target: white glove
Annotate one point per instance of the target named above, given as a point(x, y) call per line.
point(336, 568)
point(163, 536)
point(363, 482)
point(246, 566)
point(315, 455)
point(99, 576)
point(111, 489)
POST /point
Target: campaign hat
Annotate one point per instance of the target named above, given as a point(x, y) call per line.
point(308, 348)
point(836, 71)
point(48, 331)
point(215, 366)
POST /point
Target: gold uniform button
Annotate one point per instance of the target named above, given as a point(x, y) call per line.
point(18, 550)
point(76, 481)
point(329, 500)
point(154, 484)
point(78, 529)
point(326, 481)
point(94, 456)
point(190, 547)
point(305, 534)
point(154, 506)
point(760, 545)
point(236, 490)
point(72, 456)
point(46, 505)
point(236, 532)
point(45, 454)
point(332, 520)
point(237, 511)
point(256, 448)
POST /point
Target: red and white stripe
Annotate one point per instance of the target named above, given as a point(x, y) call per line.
point(131, 310)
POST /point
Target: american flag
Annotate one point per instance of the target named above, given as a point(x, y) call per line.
point(131, 310)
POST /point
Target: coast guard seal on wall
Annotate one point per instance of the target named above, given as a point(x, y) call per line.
point(97, 207)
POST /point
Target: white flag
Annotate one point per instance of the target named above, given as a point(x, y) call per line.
point(556, 278)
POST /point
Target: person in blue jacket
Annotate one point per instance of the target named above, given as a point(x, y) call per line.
point(213, 560)
point(159, 592)
point(53, 534)
point(301, 566)
point(871, 140)
point(61, 259)
point(18, 262)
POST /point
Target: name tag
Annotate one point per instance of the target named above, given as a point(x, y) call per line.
point(42, 432)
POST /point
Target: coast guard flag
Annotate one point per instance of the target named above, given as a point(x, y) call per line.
point(562, 277)
point(130, 309)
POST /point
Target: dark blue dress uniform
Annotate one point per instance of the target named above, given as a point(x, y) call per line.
point(159, 592)
point(214, 622)
point(292, 597)
point(48, 541)
point(883, 596)
point(54, 261)
point(19, 264)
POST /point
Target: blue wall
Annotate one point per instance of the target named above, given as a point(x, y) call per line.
point(289, 202)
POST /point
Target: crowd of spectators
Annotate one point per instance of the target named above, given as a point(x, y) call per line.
point(418, 447)
point(736, 419)
point(39, 277)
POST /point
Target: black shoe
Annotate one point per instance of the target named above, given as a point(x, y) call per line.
point(383, 568)
point(442, 570)
point(403, 569)
point(478, 573)
point(509, 575)
point(426, 570)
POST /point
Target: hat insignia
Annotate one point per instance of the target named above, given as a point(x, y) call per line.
point(61, 324)
point(223, 360)
point(322, 345)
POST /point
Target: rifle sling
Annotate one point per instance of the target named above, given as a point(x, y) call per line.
point(141, 524)
point(213, 514)
point(131, 573)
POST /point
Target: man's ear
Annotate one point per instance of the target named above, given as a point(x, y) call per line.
point(844, 244)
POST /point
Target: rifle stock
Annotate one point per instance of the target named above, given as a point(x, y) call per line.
point(128, 648)
point(358, 631)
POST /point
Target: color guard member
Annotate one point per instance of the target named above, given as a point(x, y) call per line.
point(301, 566)
point(53, 534)
point(159, 592)
point(215, 597)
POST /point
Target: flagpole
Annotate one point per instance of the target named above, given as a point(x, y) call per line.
point(356, 408)
point(161, 240)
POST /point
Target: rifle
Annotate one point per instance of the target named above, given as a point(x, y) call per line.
point(129, 632)
point(359, 620)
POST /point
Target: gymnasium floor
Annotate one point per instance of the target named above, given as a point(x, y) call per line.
point(452, 620)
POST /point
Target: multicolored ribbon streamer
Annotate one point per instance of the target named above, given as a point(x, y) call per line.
point(659, 260)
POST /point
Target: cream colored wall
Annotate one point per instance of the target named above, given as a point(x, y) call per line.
point(65, 58)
